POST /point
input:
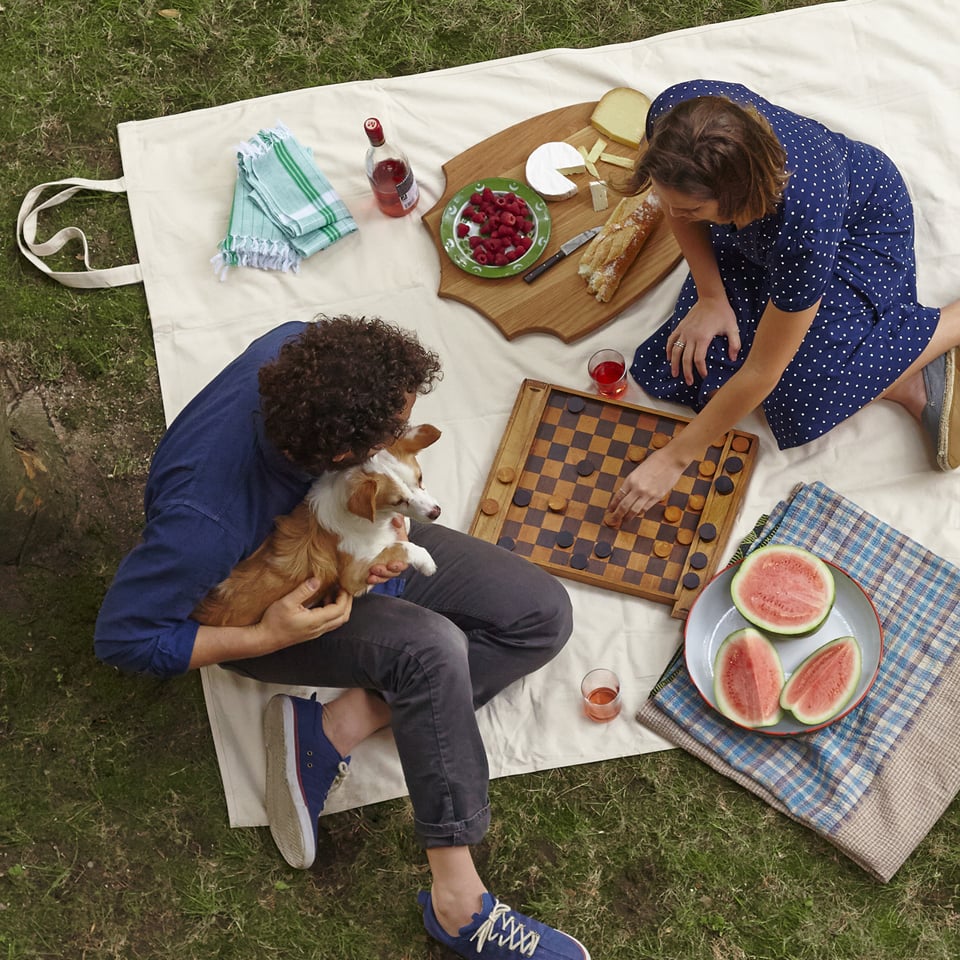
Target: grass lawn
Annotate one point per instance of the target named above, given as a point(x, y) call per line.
point(113, 833)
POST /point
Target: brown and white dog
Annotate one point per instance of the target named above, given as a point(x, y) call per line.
point(342, 528)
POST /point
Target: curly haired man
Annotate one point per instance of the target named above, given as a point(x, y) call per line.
point(418, 654)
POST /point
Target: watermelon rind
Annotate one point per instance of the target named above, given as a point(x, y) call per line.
point(783, 589)
point(748, 679)
point(824, 683)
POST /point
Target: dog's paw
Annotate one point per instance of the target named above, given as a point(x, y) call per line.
point(420, 559)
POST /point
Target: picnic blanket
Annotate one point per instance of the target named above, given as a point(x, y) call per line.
point(879, 70)
point(875, 781)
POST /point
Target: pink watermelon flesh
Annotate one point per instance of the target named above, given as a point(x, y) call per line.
point(747, 679)
point(783, 589)
point(824, 683)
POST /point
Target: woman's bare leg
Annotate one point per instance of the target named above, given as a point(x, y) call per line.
point(908, 390)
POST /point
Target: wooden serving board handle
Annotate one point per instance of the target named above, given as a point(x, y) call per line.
point(557, 302)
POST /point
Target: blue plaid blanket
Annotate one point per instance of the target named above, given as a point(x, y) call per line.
point(823, 779)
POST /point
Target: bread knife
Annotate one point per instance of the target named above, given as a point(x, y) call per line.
point(565, 250)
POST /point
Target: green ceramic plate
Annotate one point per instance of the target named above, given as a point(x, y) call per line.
point(459, 249)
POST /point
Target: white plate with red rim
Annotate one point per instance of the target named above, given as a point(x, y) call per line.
point(713, 617)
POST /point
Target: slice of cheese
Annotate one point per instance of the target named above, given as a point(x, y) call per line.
point(543, 167)
point(621, 114)
point(598, 195)
point(596, 150)
point(618, 161)
point(588, 163)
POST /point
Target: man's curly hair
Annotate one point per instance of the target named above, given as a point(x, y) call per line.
point(340, 387)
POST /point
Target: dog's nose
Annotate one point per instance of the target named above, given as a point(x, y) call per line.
point(434, 513)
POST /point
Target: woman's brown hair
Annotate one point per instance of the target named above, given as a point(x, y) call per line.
point(714, 149)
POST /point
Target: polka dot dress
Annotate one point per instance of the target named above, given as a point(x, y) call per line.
point(843, 233)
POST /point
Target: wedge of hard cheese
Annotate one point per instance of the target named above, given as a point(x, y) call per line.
point(621, 114)
point(612, 252)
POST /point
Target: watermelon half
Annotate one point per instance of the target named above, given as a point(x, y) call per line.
point(747, 679)
point(783, 589)
point(824, 683)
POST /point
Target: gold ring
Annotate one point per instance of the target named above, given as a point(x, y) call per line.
point(678, 345)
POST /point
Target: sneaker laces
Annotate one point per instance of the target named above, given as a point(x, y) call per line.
point(513, 936)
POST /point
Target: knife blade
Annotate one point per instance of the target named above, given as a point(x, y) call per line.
point(565, 250)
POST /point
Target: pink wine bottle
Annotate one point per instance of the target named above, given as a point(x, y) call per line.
point(389, 173)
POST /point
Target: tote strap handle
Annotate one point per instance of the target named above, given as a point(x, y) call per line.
point(33, 251)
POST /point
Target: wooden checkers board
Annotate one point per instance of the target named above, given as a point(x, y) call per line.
point(561, 457)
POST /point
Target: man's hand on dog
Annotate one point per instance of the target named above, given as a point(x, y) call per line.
point(292, 619)
point(382, 572)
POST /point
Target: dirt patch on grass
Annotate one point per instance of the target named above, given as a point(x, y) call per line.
point(106, 436)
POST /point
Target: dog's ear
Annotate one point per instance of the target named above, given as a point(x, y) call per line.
point(419, 437)
point(363, 498)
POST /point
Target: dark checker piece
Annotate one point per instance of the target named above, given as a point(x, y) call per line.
point(522, 498)
point(733, 465)
point(724, 485)
point(508, 543)
point(564, 538)
point(579, 561)
point(691, 581)
point(585, 468)
point(576, 404)
point(603, 550)
point(707, 532)
point(698, 560)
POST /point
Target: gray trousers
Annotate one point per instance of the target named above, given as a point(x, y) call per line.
point(436, 654)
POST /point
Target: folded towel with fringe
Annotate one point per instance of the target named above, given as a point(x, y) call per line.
point(284, 209)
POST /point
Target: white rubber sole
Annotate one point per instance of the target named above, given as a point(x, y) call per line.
point(289, 819)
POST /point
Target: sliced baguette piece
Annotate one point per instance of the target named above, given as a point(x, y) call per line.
point(612, 252)
point(621, 115)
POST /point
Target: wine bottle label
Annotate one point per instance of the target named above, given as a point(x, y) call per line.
point(408, 190)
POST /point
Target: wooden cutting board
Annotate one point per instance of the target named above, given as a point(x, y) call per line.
point(556, 302)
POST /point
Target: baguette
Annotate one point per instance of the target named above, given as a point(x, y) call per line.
point(614, 249)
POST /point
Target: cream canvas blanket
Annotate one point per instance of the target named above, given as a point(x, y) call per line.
point(880, 70)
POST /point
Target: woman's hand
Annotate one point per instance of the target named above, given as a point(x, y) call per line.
point(645, 485)
point(382, 572)
point(687, 345)
point(290, 620)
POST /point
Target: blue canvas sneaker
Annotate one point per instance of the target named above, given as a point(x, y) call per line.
point(499, 933)
point(302, 766)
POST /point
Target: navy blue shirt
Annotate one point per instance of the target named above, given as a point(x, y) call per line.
point(215, 486)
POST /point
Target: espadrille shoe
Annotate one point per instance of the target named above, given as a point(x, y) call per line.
point(941, 415)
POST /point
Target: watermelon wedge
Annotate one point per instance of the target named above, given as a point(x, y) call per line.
point(747, 679)
point(824, 683)
point(783, 589)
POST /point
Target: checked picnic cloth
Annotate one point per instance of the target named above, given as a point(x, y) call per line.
point(284, 209)
point(876, 781)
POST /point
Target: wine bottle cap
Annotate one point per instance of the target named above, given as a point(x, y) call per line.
point(374, 131)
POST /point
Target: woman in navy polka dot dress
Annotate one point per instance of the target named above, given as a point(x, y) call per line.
point(802, 287)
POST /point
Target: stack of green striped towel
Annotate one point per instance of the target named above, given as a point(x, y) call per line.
point(284, 209)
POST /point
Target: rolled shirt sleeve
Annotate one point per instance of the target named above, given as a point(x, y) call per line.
point(145, 624)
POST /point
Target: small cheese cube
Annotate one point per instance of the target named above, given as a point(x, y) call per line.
point(598, 195)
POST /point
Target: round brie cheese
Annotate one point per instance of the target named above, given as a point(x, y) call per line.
point(544, 164)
